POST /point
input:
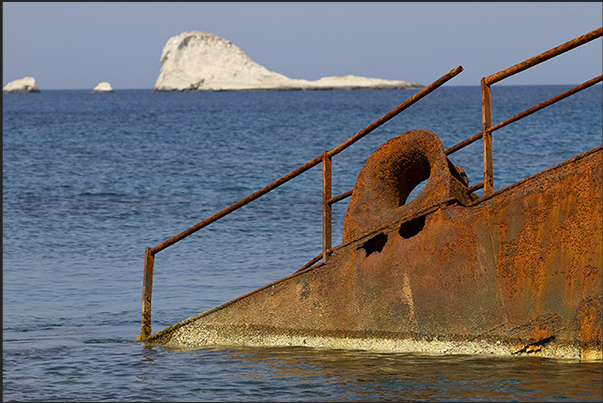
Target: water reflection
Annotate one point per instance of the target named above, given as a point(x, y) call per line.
point(363, 375)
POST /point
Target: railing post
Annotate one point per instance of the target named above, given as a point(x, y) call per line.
point(147, 288)
point(326, 206)
point(487, 139)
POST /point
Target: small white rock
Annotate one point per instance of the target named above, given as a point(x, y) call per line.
point(103, 87)
point(25, 84)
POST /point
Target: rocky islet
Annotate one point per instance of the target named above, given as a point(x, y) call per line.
point(22, 85)
point(103, 86)
point(198, 61)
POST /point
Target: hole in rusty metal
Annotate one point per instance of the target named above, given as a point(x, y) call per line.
point(375, 244)
point(416, 191)
point(411, 174)
point(412, 227)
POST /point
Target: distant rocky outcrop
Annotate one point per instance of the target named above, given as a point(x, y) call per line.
point(25, 84)
point(198, 61)
point(102, 87)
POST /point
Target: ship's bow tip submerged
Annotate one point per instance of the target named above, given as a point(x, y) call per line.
point(443, 274)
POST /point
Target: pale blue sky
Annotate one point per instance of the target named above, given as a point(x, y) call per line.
point(77, 45)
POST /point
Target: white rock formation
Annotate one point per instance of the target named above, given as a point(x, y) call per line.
point(25, 84)
point(197, 61)
point(102, 87)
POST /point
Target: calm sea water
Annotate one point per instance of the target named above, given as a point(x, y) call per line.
point(91, 180)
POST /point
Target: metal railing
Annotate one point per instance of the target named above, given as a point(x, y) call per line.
point(486, 82)
point(326, 159)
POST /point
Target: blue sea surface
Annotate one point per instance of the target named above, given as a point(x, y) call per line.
point(91, 180)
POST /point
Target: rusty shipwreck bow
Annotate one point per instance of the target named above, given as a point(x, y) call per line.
point(516, 271)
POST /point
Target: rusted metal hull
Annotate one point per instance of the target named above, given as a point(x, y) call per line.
point(518, 272)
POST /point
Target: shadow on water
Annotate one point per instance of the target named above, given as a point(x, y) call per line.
point(301, 373)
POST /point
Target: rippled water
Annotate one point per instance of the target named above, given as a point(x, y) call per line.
point(91, 180)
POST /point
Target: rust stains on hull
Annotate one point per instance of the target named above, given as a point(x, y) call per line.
point(518, 272)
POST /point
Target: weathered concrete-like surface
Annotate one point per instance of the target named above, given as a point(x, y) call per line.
point(519, 272)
